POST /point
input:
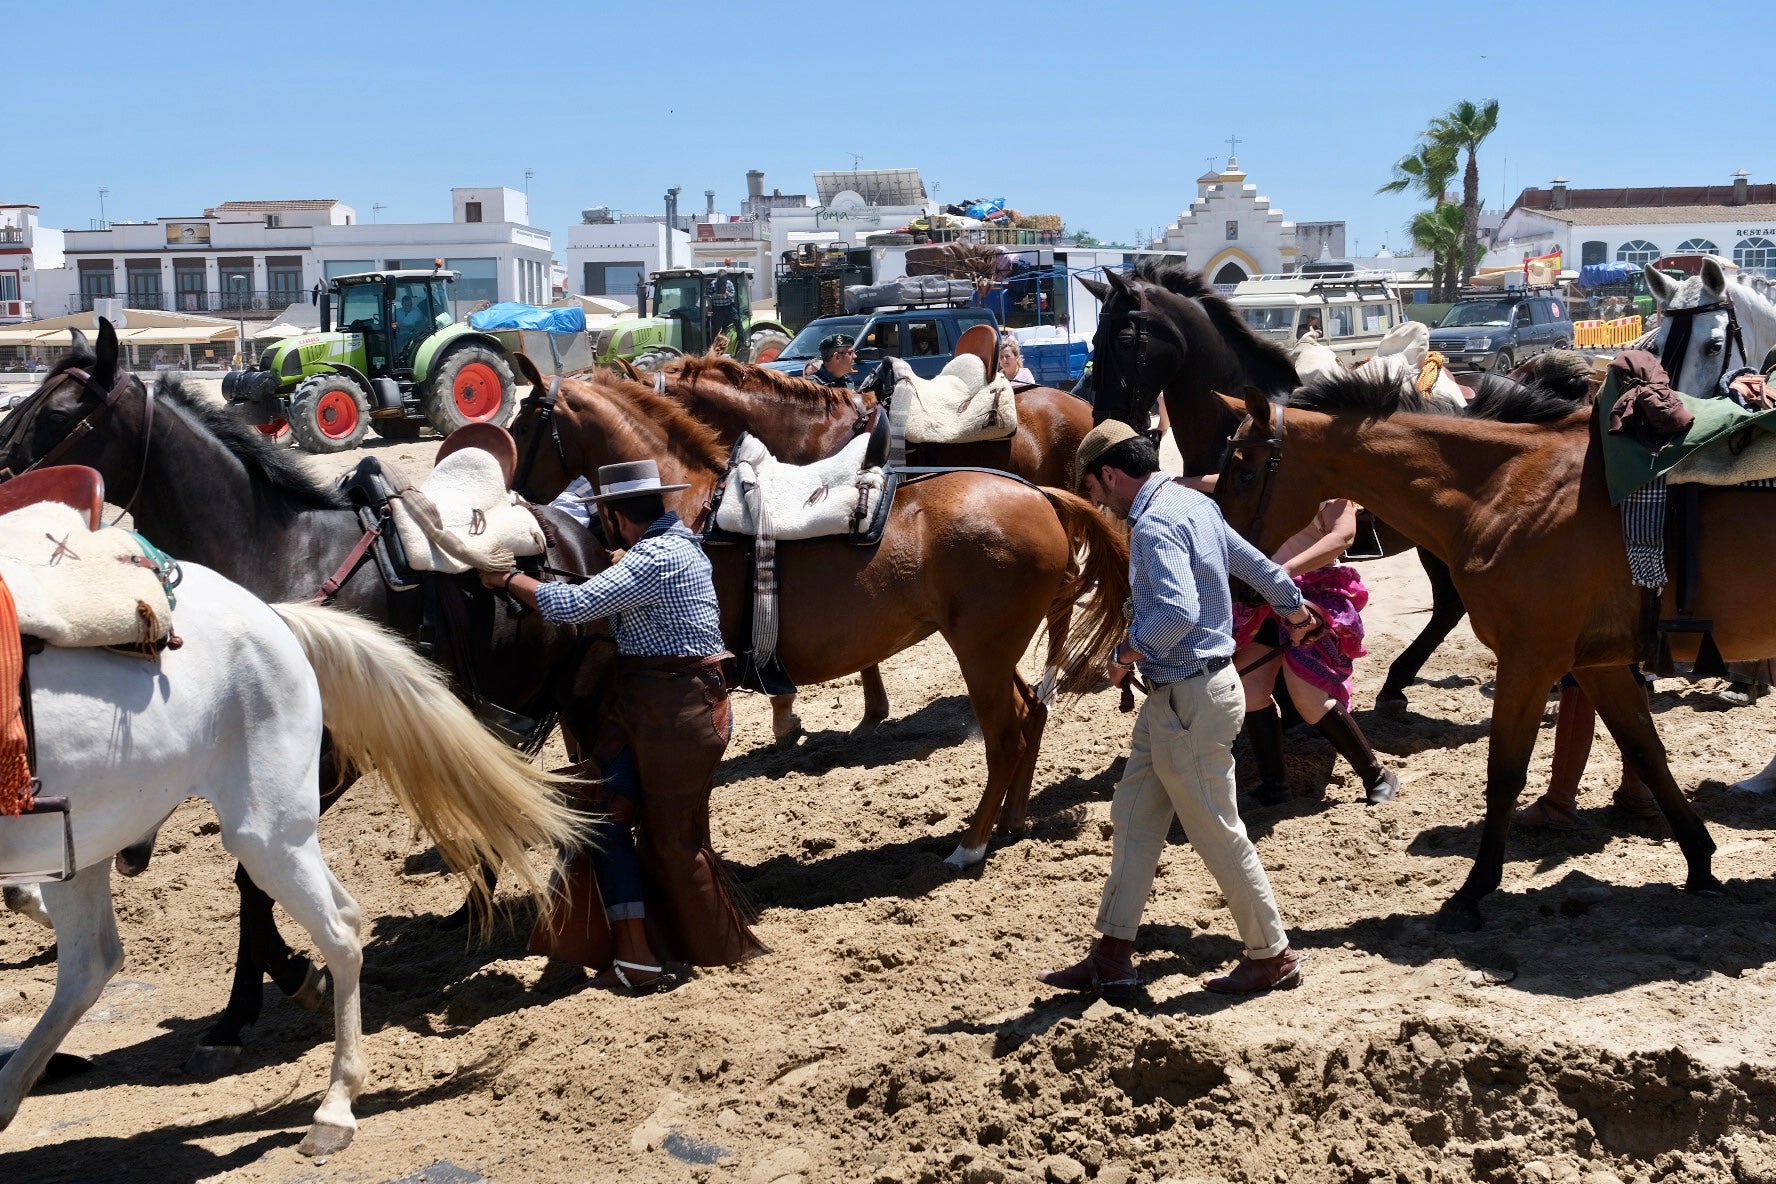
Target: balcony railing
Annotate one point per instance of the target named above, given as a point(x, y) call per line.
point(12, 234)
point(226, 304)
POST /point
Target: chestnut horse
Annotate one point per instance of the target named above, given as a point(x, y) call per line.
point(979, 558)
point(1521, 514)
point(802, 421)
point(1163, 331)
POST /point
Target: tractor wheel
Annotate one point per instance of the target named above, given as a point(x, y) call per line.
point(764, 346)
point(328, 413)
point(651, 359)
point(473, 384)
point(397, 429)
point(277, 431)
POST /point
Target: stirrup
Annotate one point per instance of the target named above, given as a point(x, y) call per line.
point(39, 806)
point(618, 965)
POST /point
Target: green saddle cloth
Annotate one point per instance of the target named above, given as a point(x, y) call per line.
point(1711, 452)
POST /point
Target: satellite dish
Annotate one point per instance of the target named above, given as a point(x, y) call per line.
point(846, 200)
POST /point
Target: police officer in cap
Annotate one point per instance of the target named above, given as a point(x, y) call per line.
point(838, 361)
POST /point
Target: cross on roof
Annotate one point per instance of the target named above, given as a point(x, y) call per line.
point(1233, 143)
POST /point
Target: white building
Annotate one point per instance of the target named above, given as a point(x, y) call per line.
point(1736, 222)
point(258, 257)
point(1231, 233)
point(26, 250)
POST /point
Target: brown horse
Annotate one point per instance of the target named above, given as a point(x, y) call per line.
point(802, 421)
point(981, 559)
point(1521, 514)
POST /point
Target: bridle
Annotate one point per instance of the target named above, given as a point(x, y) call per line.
point(1677, 339)
point(1237, 444)
point(107, 401)
point(1140, 320)
point(545, 405)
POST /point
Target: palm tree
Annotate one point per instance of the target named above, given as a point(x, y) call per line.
point(1463, 128)
point(1439, 231)
point(1429, 170)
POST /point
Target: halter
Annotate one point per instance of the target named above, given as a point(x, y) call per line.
point(1677, 341)
point(545, 403)
point(1139, 319)
point(1274, 444)
point(96, 415)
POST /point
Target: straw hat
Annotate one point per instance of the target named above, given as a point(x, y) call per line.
point(634, 478)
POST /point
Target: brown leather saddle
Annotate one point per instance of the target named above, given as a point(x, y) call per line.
point(72, 485)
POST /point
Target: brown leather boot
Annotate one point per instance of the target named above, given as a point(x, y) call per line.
point(1109, 969)
point(1379, 783)
point(1575, 726)
point(1264, 728)
point(1254, 976)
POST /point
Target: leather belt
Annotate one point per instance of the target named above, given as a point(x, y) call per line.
point(1212, 666)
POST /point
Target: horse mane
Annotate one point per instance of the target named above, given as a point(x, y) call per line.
point(267, 463)
point(1266, 364)
point(1373, 396)
point(688, 439)
point(803, 391)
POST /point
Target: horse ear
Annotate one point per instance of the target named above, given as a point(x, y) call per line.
point(1662, 286)
point(81, 346)
point(1119, 283)
point(1097, 288)
point(105, 372)
point(1714, 277)
point(1257, 406)
point(629, 370)
point(529, 369)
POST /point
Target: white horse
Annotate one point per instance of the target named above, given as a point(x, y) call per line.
point(234, 716)
point(1705, 359)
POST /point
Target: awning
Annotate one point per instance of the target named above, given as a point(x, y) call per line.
point(15, 336)
point(196, 335)
point(282, 330)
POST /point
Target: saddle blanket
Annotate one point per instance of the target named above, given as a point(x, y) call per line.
point(1725, 445)
point(959, 406)
point(763, 497)
point(81, 588)
point(462, 517)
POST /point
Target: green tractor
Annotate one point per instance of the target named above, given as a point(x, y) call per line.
point(688, 315)
point(398, 361)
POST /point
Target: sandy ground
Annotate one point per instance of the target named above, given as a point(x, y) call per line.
point(1602, 1027)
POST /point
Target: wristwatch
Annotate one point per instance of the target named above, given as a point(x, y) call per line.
point(506, 587)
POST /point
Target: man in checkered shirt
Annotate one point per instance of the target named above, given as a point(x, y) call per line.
point(1181, 553)
point(669, 725)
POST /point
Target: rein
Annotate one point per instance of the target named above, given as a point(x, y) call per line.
point(96, 415)
point(1677, 341)
point(1274, 443)
point(545, 404)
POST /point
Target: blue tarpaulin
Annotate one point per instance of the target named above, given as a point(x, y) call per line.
point(524, 316)
point(1596, 275)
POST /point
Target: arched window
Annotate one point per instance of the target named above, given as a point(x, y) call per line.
point(1230, 273)
point(1756, 255)
point(1593, 251)
point(1696, 246)
point(1637, 250)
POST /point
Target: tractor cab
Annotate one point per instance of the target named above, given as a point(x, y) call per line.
point(704, 301)
point(395, 312)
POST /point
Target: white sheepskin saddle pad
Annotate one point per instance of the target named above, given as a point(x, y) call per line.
point(764, 497)
point(81, 588)
point(1313, 360)
point(462, 517)
point(959, 406)
point(1401, 354)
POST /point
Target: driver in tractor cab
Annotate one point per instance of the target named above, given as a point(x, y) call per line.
point(724, 312)
point(410, 325)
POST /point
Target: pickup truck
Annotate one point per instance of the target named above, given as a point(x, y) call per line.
point(925, 337)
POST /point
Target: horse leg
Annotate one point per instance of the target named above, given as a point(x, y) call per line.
point(1060, 620)
point(1015, 817)
point(300, 880)
point(875, 701)
point(999, 707)
point(27, 900)
point(1447, 612)
point(786, 725)
point(88, 953)
point(1521, 693)
point(1622, 705)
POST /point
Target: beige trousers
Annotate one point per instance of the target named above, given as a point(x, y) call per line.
point(1181, 761)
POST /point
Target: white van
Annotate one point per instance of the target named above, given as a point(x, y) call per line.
point(1353, 310)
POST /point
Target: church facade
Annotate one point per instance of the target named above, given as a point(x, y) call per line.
point(1231, 232)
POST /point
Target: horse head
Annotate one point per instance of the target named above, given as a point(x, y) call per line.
point(1134, 352)
point(74, 390)
point(1695, 327)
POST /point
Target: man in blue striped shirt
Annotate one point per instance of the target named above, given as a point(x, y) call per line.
point(1181, 553)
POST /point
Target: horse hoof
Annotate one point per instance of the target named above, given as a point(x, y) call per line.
point(316, 986)
point(28, 901)
point(963, 858)
point(1457, 917)
point(213, 1060)
point(451, 921)
point(326, 1139)
point(1705, 886)
point(868, 725)
point(789, 733)
point(1390, 701)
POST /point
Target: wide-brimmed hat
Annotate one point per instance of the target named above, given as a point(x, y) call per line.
point(632, 478)
point(1100, 440)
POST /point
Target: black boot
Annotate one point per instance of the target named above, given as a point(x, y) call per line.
point(1379, 783)
point(1264, 728)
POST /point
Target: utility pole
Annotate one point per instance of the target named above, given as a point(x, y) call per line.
point(103, 194)
point(671, 220)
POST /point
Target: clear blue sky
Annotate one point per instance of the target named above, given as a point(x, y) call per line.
point(1102, 112)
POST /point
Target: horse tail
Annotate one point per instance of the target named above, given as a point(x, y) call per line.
point(389, 709)
point(1100, 576)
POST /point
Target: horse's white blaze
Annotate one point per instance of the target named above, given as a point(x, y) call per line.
point(1705, 361)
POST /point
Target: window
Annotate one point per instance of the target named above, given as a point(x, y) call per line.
point(1341, 321)
point(471, 211)
point(1696, 246)
point(1230, 273)
point(1233, 230)
point(1637, 250)
point(922, 340)
point(1538, 311)
point(188, 286)
point(1269, 319)
point(144, 282)
point(97, 282)
point(9, 285)
point(1756, 255)
point(360, 308)
point(273, 221)
point(1377, 318)
point(884, 336)
point(1593, 252)
point(479, 280)
point(283, 280)
point(235, 277)
point(334, 268)
point(613, 279)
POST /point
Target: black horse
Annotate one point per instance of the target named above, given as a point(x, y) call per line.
point(210, 489)
point(1163, 331)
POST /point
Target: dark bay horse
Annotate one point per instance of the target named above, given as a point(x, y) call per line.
point(801, 421)
point(979, 558)
point(210, 489)
point(1522, 516)
point(1163, 331)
